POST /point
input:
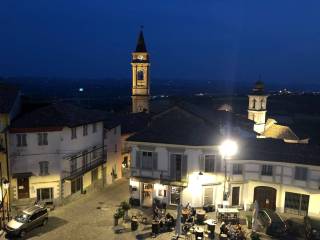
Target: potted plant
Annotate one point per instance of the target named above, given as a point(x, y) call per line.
point(119, 214)
point(249, 221)
point(125, 207)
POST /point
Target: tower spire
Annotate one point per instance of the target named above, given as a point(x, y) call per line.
point(141, 46)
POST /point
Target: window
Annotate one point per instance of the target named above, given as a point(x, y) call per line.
point(44, 168)
point(45, 194)
point(21, 140)
point(115, 131)
point(115, 148)
point(76, 185)
point(209, 161)
point(301, 173)
point(175, 195)
point(296, 203)
point(73, 164)
point(140, 75)
point(94, 127)
point(85, 130)
point(73, 133)
point(42, 139)
point(237, 169)
point(266, 170)
point(146, 160)
point(94, 174)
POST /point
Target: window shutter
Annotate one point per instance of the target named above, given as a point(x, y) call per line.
point(155, 160)
point(184, 167)
point(138, 159)
point(202, 166)
point(172, 166)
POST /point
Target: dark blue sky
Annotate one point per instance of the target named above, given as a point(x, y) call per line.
point(203, 40)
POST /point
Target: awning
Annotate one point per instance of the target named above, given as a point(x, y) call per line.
point(174, 183)
point(22, 175)
point(144, 179)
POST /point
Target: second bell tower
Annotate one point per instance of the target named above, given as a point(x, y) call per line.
point(140, 77)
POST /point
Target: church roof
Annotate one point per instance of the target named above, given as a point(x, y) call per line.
point(141, 46)
point(280, 132)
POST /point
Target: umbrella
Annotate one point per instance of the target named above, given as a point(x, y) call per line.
point(255, 216)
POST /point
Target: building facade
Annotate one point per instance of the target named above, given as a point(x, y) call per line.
point(280, 176)
point(55, 152)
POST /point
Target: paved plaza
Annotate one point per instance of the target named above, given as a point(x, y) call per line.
point(91, 217)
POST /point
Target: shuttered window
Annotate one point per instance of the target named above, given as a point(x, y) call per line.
point(209, 163)
point(147, 160)
point(301, 173)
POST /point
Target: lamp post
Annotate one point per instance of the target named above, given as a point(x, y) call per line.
point(227, 149)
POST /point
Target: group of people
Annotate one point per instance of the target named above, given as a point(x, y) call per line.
point(233, 232)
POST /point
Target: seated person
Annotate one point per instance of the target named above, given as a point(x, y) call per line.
point(223, 228)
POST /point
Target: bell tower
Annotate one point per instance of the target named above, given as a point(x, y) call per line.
point(257, 108)
point(140, 77)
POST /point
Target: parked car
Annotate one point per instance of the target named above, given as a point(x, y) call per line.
point(27, 220)
point(271, 223)
point(312, 228)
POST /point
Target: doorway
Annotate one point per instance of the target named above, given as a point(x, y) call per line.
point(147, 194)
point(266, 197)
point(23, 187)
point(235, 196)
point(208, 196)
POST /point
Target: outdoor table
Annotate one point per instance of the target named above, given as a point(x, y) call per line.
point(198, 232)
point(223, 237)
point(227, 214)
point(211, 224)
point(200, 215)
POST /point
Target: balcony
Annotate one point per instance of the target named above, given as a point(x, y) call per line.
point(80, 164)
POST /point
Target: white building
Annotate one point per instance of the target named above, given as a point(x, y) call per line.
point(178, 154)
point(56, 151)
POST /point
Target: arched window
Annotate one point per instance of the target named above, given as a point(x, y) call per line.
point(254, 103)
point(140, 75)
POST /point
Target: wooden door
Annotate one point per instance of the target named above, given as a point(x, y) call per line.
point(235, 196)
point(266, 197)
point(23, 187)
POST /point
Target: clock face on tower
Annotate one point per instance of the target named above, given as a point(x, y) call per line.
point(140, 57)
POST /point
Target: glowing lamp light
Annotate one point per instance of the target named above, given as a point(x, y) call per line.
point(228, 148)
point(5, 184)
point(80, 89)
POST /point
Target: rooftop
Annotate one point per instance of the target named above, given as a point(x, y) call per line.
point(57, 115)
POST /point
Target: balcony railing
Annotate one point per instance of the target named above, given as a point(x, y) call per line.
point(82, 162)
point(68, 175)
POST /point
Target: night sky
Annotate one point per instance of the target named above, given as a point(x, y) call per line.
point(198, 40)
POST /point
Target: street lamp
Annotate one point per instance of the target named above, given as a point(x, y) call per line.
point(227, 149)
